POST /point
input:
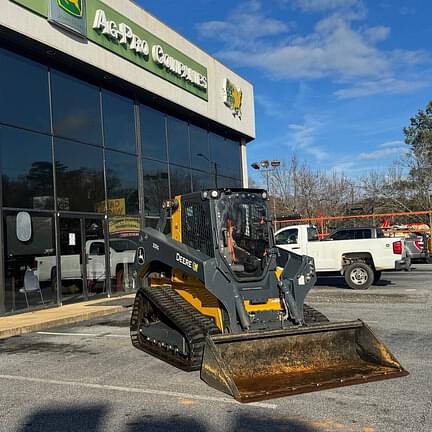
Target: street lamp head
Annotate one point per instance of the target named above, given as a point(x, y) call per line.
point(265, 164)
point(255, 165)
point(275, 163)
point(203, 156)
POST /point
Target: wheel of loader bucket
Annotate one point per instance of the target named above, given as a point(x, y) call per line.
point(312, 316)
point(359, 275)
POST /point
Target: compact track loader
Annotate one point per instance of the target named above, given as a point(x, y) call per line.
point(217, 295)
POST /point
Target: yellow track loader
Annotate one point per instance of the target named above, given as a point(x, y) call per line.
point(216, 294)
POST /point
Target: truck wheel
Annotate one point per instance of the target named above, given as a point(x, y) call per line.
point(359, 275)
point(377, 276)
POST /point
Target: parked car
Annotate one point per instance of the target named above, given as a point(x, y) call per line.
point(415, 244)
point(359, 261)
point(121, 258)
point(417, 250)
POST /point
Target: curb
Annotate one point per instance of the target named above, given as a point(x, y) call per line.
point(55, 322)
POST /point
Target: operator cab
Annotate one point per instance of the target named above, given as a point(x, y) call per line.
point(243, 231)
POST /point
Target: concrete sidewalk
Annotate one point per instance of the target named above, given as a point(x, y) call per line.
point(29, 322)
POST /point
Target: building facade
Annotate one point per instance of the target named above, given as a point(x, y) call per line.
point(104, 113)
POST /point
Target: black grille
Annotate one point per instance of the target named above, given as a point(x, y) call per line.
point(196, 226)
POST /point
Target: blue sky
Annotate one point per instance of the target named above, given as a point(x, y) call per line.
point(335, 80)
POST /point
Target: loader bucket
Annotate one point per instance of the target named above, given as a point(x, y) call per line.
point(270, 364)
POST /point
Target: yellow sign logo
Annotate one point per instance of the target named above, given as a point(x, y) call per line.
point(73, 7)
point(233, 98)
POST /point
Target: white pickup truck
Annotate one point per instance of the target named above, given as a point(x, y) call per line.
point(359, 261)
point(122, 256)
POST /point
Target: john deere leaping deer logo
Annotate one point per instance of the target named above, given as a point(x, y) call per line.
point(73, 7)
point(233, 98)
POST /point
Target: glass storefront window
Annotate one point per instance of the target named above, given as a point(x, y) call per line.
point(202, 180)
point(156, 186)
point(153, 134)
point(79, 175)
point(119, 122)
point(199, 149)
point(227, 182)
point(180, 180)
point(226, 154)
point(28, 264)
point(76, 109)
point(26, 169)
point(178, 142)
point(122, 183)
point(123, 244)
point(232, 162)
point(24, 92)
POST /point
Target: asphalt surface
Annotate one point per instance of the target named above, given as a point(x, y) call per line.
point(88, 377)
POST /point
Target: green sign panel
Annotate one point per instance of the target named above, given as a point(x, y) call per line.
point(106, 27)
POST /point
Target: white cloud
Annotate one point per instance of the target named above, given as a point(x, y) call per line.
point(377, 34)
point(338, 48)
point(381, 86)
point(324, 5)
point(390, 149)
point(303, 137)
point(244, 26)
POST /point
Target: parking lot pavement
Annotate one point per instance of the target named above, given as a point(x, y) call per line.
point(88, 377)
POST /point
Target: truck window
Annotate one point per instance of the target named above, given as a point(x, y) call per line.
point(97, 248)
point(363, 234)
point(288, 236)
point(312, 233)
point(342, 235)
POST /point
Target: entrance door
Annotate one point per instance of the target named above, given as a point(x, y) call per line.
point(95, 252)
point(83, 258)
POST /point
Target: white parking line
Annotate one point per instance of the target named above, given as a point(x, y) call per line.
point(135, 390)
point(98, 335)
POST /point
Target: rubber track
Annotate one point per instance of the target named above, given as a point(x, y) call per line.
point(182, 316)
point(312, 316)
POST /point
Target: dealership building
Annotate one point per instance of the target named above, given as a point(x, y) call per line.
point(104, 112)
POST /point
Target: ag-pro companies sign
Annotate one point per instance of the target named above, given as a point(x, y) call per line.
point(99, 23)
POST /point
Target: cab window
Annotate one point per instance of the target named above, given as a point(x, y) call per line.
point(288, 236)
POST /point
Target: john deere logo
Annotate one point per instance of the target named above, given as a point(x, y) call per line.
point(74, 7)
point(70, 15)
point(233, 98)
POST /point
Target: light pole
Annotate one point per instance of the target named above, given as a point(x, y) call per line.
point(266, 167)
point(214, 164)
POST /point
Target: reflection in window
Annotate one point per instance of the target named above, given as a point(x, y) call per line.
point(226, 154)
point(153, 134)
point(76, 109)
point(24, 92)
point(122, 183)
point(178, 142)
point(202, 180)
point(156, 187)
point(26, 168)
point(79, 175)
point(119, 124)
point(199, 149)
point(232, 158)
point(227, 182)
point(180, 180)
point(34, 258)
